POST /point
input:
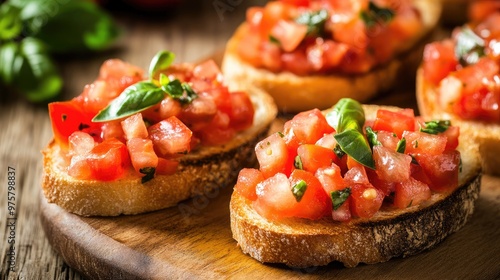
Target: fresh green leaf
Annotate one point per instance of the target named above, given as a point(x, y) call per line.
point(298, 162)
point(376, 14)
point(469, 47)
point(401, 147)
point(372, 137)
point(136, 98)
point(11, 24)
point(315, 21)
point(435, 127)
point(180, 91)
point(348, 117)
point(299, 189)
point(161, 61)
point(149, 173)
point(338, 151)
point(339, 197)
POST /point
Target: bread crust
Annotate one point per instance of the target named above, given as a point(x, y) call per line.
point(199, 172)
point(293, 93)
point(485, 137)
point(390, 233)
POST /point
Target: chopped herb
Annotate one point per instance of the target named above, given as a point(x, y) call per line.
point(339, 197)
point(299, 189)
point(315, 22)
point(411, 202)
point(414, 160)
point(338, 151)
point(298, 163)
point(435, 127)
point(415, 144)
point(401, 147)
point(280, 134)
point(149, 173)
point(82, 126)
point(274, 40)
point(469, 47)
point(372, 137)
point(376, 14)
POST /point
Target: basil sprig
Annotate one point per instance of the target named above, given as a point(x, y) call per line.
point(435, 127)
point(315, 22)
point(145, 94)
point(469, 47)
point(339, 197)
point(348, 118)
point(31, 31)
point(376, 14)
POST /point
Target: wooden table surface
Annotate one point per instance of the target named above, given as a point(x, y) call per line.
point(195, 30)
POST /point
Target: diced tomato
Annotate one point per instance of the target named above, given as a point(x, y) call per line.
point(396, 122)
point(327, 141)
point(326, 54)
point(199, 113)
point(270, 56)
point(289, 34)
point(388, 139)
point(272, 155)
point(274, 197)
point(452, 134)
point(296, 62)
point(306, 128)
point(119, 74)
point(80, 143)
point(112, 129)
point(366, 200)
point(410, 192)
point(134, 127)
point(170, 137)
point(315, 203)
point(330, 178)
point(391, 166)
point(142, 154)
point(208, 70)
point(166, 166)
point(473, 76)
point(242, 112)
point(108, 160)
point(298, 3)
point(421, 142)
point(382, 185)
point(248, 178)
point(79, 168)
point(356, 175)
point(67, 117)
point(442, 170)
point(343, 213)
point(314, 157)
point(439, 61)
point(218, 131)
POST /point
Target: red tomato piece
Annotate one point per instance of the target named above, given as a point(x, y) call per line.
point(421, 142)
point(356, 175)
point(441, 170)
point(274, 197)
point(411, 192)
point(298, 3)
point(166, 166)
point(142, 154)
point(327, 141)
point(112, 129)
point(382, 185)
point(314, 157)
point(108, 160)
point(306, 127)
point(208, 70)
point(248, 178)
point(366, 200)
point(170, 137)
point(388, 139)
point(80, 143)
point(390, 165)
point(272, 155)
point(315, 203)
point(330, 178)
point(218, 131)
point(396, 122)
point(452, 134)
point(199, 113)
point(242, 111)
point(439, 61)
point(134, 127)
point(289, 34)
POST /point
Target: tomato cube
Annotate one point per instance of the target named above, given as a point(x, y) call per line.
point(134, 127)
point(242, 112)
point(366, 200)
point(142, 153)
point(421, 142)
point(108, 160)
point(248, 178)
point(442, 170)
point(313, 157)
point(396, 122)
point(411, 192)
point(275, 199)
point(166, 166)
point(315, 202)
point(391, 166)
point(272, 155)
point(170, 137)
point(306, 127)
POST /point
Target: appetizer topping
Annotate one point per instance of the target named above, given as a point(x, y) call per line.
point(327, 36)
point(306, 173)
point(466, 70)
point(123, 123)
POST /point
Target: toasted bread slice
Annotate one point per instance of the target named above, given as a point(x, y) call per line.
point(484, 136)
point(293, 93)
point(390, 233)
point(199, 172)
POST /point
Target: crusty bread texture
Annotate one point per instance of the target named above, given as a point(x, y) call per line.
point(199, 172)
point(390, 233)
point(293, 93)
point(485, 137)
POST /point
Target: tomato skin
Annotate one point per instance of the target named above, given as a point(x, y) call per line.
point(314, 157)
point(272, 155)
point(452, 134)
point(166, 166)
point(306, 127)
point(391, 166)
point(170, 137)
point(439, 61)
point(424, 143)
point(410, 192)
point(242, 111)
point(274, 197)
point(108, 160)
point(142, 154)
point(366, 200)
point(396, 122)
point(80, 143)
point(442, 170)
point(330, 178)
point(315, 202)
point(289, 34)
point(247, 181)
point(134, 127)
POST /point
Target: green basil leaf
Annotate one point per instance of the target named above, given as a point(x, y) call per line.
point(149, 173)
point(376, 14)
point(70, 26)
point(348, 117)
point(34, 73)
point(11, 24)
point(339, 197)
point(435, 127)
point(469, 47)
point(298, 162)
point(299, 189)
point(315, 22)
point(338, 151)
point(401, 147)
point(179, 91)
point(372, 137)
point(161, 61)
point(136, 98)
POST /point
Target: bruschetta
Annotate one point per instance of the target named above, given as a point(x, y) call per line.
point(309, 54)
point(354, 184)
point(130, 144)
point(460, 80)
